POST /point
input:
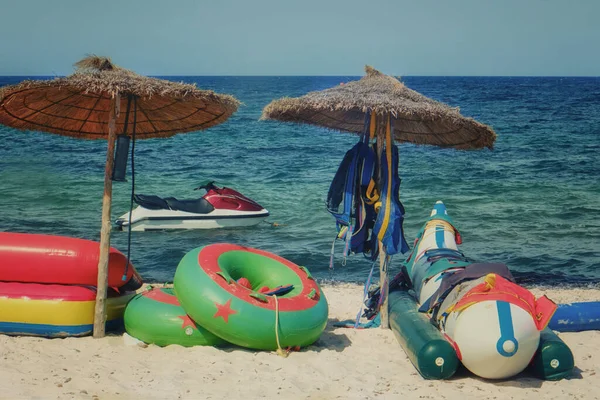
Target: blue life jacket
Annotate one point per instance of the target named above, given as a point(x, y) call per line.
point(346, 199)
point(340, 198)
point(365, 214)
point(390, 215)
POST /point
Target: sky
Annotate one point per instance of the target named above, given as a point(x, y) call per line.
point(304, 37)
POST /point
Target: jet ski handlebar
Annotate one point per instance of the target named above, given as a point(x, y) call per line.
point(208, 186)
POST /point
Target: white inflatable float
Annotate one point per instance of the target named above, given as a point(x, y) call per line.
point(493, 324)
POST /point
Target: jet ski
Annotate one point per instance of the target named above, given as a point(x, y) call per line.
point(220, 207)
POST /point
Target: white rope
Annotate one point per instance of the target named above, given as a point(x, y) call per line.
point(280, 351)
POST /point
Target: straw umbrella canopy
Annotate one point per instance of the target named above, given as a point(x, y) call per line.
point(87, 105)
point(417, 119)
point(79, 105)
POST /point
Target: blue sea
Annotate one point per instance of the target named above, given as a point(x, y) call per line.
point(532, 203)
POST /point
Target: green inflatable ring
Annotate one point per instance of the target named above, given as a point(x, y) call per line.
point(206, 285)
point(155, 316)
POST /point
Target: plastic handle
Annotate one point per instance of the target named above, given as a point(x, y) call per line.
point(259, 297)
point(313, 295)
point(308, 275)
point(225, 276)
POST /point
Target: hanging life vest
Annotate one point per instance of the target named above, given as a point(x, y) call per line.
point(390, 216)
point(354, 213)
point(340, 198)
point(362, 240)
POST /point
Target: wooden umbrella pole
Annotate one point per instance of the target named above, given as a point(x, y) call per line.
point(100, 309)
point(383, 311)
point(385, 322)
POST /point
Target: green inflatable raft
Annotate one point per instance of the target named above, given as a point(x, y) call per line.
point(251, 297)
point(156, 317)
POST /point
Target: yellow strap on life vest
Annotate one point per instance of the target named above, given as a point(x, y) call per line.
point(377, 206)
point(388, 157)
point(342, 232)
point(372, 193)
point(372, 126)
point(490, 280)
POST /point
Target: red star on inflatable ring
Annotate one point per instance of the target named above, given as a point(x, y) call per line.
point(187, 321)
point(224, 311)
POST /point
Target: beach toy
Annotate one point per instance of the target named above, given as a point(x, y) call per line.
point(33, 309)
point(33, 258)
point(493, 324)
point(431, 354)
point(155, 316)
point(205, 284)
point(576, 317)
point(553, 360)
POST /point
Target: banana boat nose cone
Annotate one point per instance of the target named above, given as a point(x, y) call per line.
point(494, 339)
point(439, 208)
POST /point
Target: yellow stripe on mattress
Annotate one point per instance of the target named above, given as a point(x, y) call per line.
point(58, 312)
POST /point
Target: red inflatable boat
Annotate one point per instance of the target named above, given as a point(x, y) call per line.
point(33, 258)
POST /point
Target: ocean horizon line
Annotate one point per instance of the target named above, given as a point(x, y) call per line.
point(327, 76)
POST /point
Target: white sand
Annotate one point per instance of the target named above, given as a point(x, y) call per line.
point(343, 364)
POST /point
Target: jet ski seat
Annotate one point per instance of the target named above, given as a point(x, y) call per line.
point(151, 202)
point(196, 206)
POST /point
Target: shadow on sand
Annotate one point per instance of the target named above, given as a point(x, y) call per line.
point(523, 380)
point(329, 340)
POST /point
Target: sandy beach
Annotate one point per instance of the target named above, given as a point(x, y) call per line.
point(343, 364)
point(245, 150)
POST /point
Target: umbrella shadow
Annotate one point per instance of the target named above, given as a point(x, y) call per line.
point(330, 340)
point(524, 380)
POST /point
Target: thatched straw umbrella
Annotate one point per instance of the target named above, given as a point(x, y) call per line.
point(417, 119)
point(87, 105)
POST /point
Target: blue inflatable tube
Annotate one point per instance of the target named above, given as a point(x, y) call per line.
point(576, 317)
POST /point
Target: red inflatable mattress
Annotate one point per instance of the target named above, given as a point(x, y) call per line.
point(34, 258)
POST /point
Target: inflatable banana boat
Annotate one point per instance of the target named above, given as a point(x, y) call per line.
point(493, 324)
